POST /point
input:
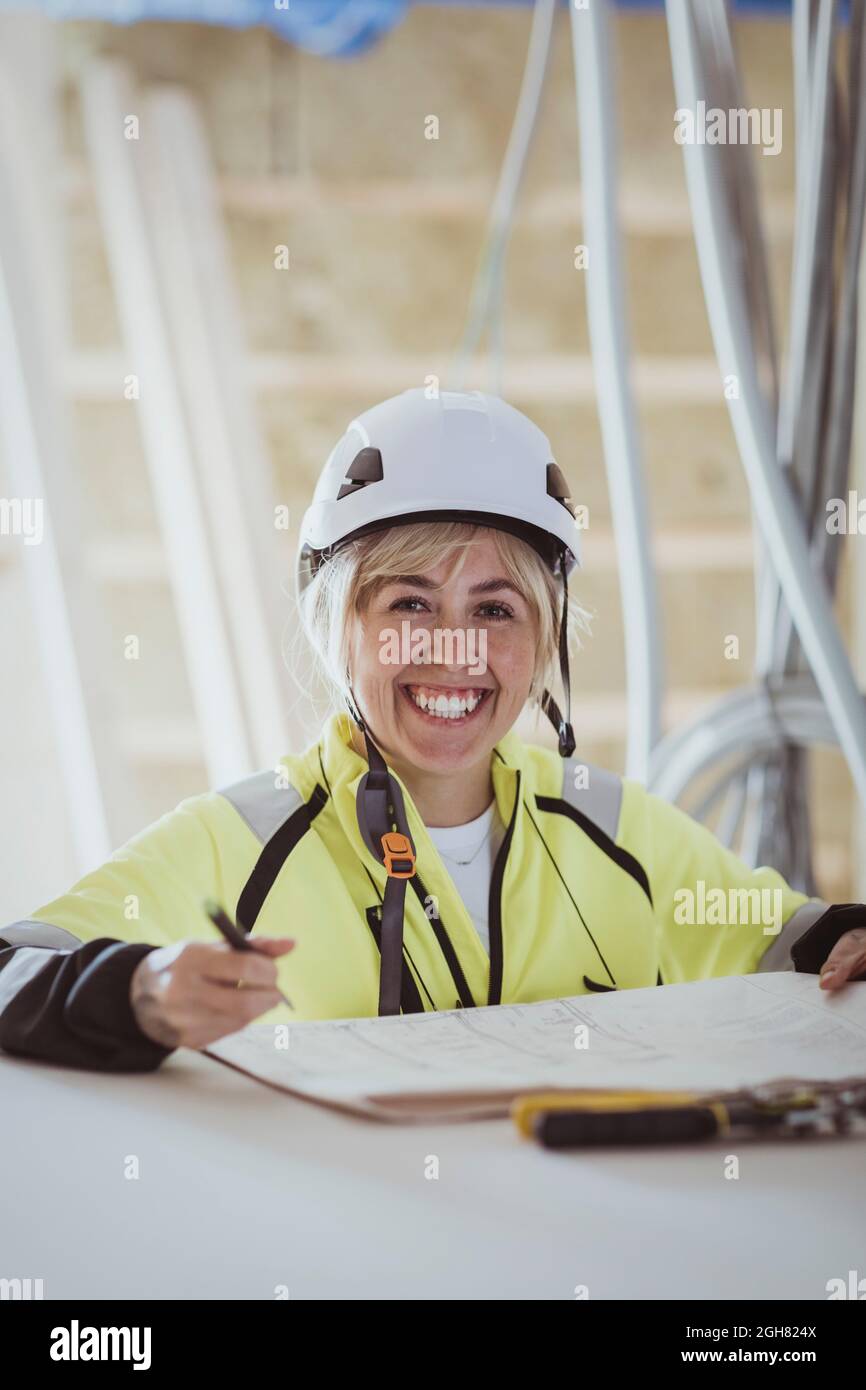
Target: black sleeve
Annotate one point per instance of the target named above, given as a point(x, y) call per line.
point(76, 1011)
point(815, 945)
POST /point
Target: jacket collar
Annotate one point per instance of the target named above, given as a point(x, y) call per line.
point(344, 768)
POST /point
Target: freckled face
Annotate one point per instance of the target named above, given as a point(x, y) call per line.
point(441, 712)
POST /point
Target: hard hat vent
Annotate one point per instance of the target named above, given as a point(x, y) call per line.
point(557, 486)
point(366, 467)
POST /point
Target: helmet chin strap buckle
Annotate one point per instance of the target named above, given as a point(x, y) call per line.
point(565, 733)
point(567, 741)
point(560, 722)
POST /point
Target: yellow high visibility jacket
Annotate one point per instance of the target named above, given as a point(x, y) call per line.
point(598, 884)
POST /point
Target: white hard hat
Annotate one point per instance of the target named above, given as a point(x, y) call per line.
point(457, 455)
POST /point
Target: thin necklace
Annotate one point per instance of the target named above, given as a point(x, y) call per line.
point(474, 855)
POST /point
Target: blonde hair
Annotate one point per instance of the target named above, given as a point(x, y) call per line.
point(343, 587)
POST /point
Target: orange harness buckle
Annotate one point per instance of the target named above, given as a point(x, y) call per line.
point(397, 849)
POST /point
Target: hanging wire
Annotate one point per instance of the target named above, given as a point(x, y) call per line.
point(773, 724)
point(487, 290)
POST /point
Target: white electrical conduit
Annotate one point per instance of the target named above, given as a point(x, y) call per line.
point(721, 88)
point(841, 409)
point(716, 33)
point(732, 810)
point(802, 424)
point(763, 779)
point(75, 744)
point(487, 290)
point(813, 409)
point(805, 590)
point(734, 706)
point(799, 406)
point(107, 100)
point(597, 121)
point(31, 438)
point(800, 436)
point(195, 269)
point(796, 717)
point(801, 40)
point(803, 436)
point(69, 626)
point(732, 785)
point(806, 250)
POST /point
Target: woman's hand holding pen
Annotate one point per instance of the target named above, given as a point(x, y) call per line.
point(188, 995)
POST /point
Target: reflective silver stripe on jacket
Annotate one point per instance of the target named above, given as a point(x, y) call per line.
point(30, 933)
point(262, 804)
point(20, 970)
point(599, 800)
point(778, 956)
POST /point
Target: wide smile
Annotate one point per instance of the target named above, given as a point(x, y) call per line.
point(446, 707)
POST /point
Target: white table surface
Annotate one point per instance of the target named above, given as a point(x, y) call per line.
point(242, 1188)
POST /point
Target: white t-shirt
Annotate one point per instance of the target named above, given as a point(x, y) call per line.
point(477, 841)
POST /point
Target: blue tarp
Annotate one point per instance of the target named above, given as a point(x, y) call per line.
point(336, 28)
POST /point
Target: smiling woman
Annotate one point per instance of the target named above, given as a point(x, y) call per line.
point(421, 855)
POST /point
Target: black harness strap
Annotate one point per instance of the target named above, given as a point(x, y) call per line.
point(494, 993)
point(273, 857)
point(382, 820)
point(410, 996)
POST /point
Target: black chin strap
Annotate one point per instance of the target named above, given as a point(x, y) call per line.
point(385, 830)
point(567, 742)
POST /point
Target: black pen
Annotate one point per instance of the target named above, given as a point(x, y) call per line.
point(233, 934)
